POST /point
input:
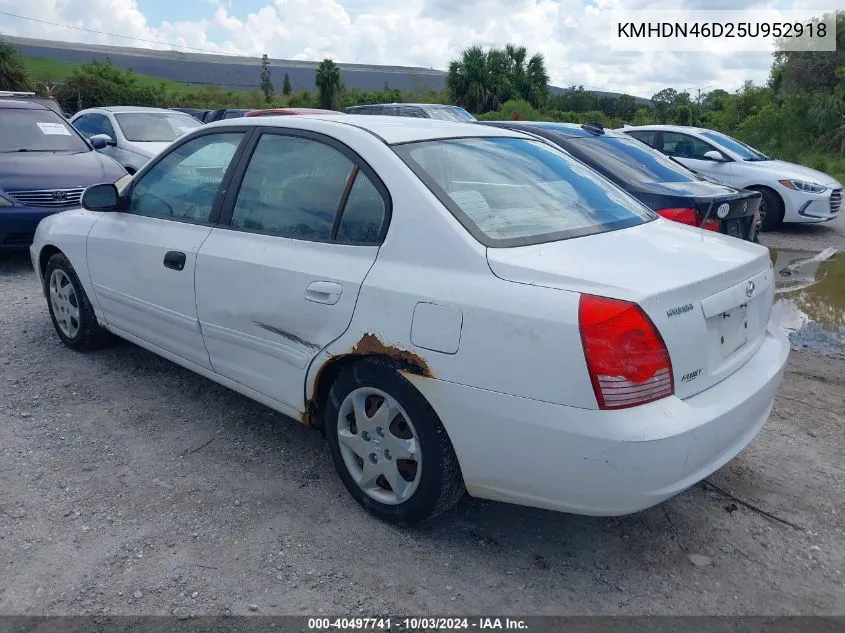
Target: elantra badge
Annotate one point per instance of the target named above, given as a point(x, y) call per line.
point(723, 210)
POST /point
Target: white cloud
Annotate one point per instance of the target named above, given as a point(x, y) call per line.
point(574, 37)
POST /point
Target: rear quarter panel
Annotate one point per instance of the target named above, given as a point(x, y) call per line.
point(514, 338)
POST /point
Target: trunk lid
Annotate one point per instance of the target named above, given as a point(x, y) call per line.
point(709, 295)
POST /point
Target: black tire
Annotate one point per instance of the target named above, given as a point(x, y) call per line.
point(440, 485)
point(89, 335)
point(771, 209)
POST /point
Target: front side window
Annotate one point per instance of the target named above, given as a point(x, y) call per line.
point(510, 191)
point(685, 146)
point(155, 127)
point(745, 152)
point(30, 130)
point(92, 124)
point(184, 184)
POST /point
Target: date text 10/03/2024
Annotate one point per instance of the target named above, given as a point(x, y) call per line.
point(416, 624)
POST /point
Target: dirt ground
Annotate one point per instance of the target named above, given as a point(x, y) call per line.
point(131, 486)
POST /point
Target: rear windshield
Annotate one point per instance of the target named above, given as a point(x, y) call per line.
point(631, 160)
point(37, 131)
point(513, 192)
point(450, 114)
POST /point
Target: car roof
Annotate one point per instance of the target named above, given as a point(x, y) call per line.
point(390, 129)
point(14, 104)
point(119, 109)
point(416, 105)
point(566, 130)
point(666, 128)
point(270, 111)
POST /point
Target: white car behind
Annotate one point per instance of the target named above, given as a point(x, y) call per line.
point(459, 307)
point(791, 193)
point(133, 135)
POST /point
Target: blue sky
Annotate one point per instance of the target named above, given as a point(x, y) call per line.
point(572, 34)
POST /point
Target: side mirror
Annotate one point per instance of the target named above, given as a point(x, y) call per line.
point(101, 198)
point(716, 155)
point(100, 141)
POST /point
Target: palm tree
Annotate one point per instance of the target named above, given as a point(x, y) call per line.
point(13, 72)
point(517, 56)
point(469, 82)
point(329, 84)
point(536, 83)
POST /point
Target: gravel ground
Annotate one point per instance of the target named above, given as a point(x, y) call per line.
point(131, 486)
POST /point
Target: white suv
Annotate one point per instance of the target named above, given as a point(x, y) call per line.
point(791, 193)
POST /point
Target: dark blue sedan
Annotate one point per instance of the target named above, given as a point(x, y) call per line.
point(44, 167)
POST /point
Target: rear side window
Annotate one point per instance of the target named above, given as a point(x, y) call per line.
point(646, 136)
point(513, 192)
point(292, 188)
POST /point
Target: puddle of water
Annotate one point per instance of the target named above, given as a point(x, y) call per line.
point(810, 298)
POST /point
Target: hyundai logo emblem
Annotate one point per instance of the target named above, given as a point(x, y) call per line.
point(723, 210)
point(59, 196)
point(749, 289)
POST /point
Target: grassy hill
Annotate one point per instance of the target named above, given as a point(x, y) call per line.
point(43, 69)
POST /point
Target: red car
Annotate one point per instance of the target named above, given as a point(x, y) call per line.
point(284, 111)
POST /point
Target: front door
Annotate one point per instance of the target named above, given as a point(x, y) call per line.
point(690, 151)
point(142, 261)
point(281, 281)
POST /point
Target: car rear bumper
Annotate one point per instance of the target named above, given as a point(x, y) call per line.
point(18, 224)
point(605, 462)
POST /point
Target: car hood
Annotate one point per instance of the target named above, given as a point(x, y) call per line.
point(694, 189)
point(42, 170)
point(147, 149)
point(782, 170)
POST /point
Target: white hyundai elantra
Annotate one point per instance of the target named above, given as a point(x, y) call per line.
point(460, 308)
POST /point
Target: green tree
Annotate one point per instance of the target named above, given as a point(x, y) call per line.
point(664, 104)
point(626, 107)
point(13, 72)
point(103, 84)
point(470, 83)
point(266, 79)
point(481, 80)
point(286, 87)
point(329, 85)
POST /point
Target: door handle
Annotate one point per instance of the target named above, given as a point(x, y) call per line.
point(174, 260)
point(323, 292)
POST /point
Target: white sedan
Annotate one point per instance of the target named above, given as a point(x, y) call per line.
point(460, 308)
point(133, 135)
point(791, 193)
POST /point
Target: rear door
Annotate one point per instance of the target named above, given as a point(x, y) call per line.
point(279, 279)
point(142, 261)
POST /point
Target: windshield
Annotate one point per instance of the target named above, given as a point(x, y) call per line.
point(37, 131)
point(630, 160)
point(746, 152)
point(155, 127)
point(513, 192)
point(450, 114)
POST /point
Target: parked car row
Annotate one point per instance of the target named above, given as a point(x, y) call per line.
point(460, 307)
point(210, 116)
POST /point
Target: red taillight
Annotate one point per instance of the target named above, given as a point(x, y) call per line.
point(626, 356)
point(689, 216)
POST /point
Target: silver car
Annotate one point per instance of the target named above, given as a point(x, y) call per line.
point(133, 135)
